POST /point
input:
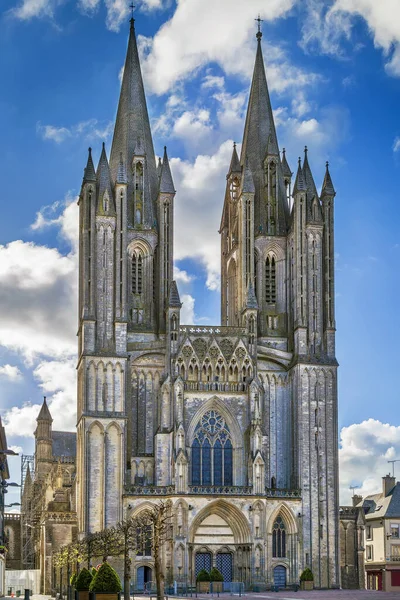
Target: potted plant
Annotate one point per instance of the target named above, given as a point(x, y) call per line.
point(216, 579)
point(106, 584)
point(307, 579)
point(82, 584)
point(203, 581)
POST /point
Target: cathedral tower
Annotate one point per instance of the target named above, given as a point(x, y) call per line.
point(234, 425)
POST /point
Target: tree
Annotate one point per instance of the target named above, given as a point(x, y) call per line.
point(127, 531)
point(159, 518)
point(107, 543)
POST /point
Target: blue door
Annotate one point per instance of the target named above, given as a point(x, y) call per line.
point(224, 565)
point(203, 561)
point(280, 576)
point(143, 579)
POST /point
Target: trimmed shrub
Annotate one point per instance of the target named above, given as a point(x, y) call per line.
point(216, 575)
point(106, 580)
point(83, 580)
point(307, 575)
point(203, 575)
point(72, 581)
point(93, 571)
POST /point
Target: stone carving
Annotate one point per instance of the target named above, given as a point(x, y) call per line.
point(200, 347)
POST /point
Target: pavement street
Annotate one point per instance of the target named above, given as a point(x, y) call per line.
point(284, 595)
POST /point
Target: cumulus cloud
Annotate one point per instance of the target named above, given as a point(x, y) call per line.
point(328, 25)
point(396, 144)
point(181, 276)
point(365, 449)
point(10, 372)
point(90, 130)
point(187, 311)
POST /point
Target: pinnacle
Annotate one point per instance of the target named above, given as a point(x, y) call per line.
point(44, 414)
point(89, 172)
point(285, 166)
point(174, 299)
point(299, 184)
point(327, 186)
point(235, 163)
point(166, 181)
point(309, 180)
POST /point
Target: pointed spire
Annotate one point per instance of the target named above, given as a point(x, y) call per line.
point(285, 167)
point(44, 414)
point(251, 297)
point(235, 163)
point(166, 182)
point(247, 180)
point(173, 300)
point(121, 175)
point(89, 173)
point(308, 178)
point(259, 128)
point(28, 476)
point(132, 127)
point(299, 184)
point(103, 178)
point(327, 186)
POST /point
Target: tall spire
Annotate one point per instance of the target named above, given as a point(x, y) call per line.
point(235, 163)
point(299, 184)
point(308, 178)
point(132, 126)
point(104, 184)
point(259, 132)
point(89, 173)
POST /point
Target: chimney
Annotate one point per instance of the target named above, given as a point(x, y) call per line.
point(356, 499)
point(388, 483)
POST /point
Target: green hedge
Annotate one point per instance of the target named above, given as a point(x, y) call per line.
point(307, 575)
point(216, 575)
point(203, 575)
point(83, 580)
point(106, 580)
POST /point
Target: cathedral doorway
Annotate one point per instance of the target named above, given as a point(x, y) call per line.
point(143, 579)
point(203, 561)
point(225, 565)
point(280, 576)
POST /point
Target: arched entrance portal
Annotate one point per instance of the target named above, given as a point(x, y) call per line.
point(143, 579)
point(280, 576)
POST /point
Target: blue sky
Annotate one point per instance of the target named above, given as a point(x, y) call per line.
point(333, 69)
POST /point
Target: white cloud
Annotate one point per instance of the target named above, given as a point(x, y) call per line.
point(191, 39)
point(213, 81)
point(91, 129)
point(365, 449)
point(38, 290)
point(20, 421)
point(187, 311)
point(182, 276)
point(328, 25)
point(10, 372)
point(35, 8)
point(59, 379)
point(396, 144)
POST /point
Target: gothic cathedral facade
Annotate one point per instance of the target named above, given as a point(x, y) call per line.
point(235, 426)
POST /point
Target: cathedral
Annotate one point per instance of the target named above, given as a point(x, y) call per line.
point(234, 425)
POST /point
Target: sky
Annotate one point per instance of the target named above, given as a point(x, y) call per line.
point(333, 69)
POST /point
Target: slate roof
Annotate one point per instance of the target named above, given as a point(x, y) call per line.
point(248, 181)
point(64, 443)
point(299, 184)
point(174, 300)
point(327, 186)
point(44, 414)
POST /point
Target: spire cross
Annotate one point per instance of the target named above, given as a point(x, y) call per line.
point(259, 21)
point(132, 6)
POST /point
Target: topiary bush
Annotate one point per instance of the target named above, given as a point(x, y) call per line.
point(72, 581)
point(106, 580)
point(83, 580)
point(93, 571)
point(307, 575)
point(203, 575)
point(216, 575)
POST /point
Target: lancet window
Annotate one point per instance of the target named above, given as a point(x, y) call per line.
point(212, 453)
point(137, 273)
point(279, 538)
point(270, 280)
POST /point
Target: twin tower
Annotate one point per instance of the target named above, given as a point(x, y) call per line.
point(235, 426)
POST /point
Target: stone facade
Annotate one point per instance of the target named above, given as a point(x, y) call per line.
point(235, 425)
point(352, 536)
point(48, 517)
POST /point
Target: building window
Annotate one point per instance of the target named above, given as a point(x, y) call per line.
point(270, 280)
point(212, 453)
point(137, 273)
point(369, 550)
point(394, 530)
point(144, 537)
point(369, 532)
point(279, 538)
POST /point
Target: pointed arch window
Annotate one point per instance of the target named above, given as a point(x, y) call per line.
point(212, 451)
point(270, 279)
point(137, 272)
point(279, 538)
